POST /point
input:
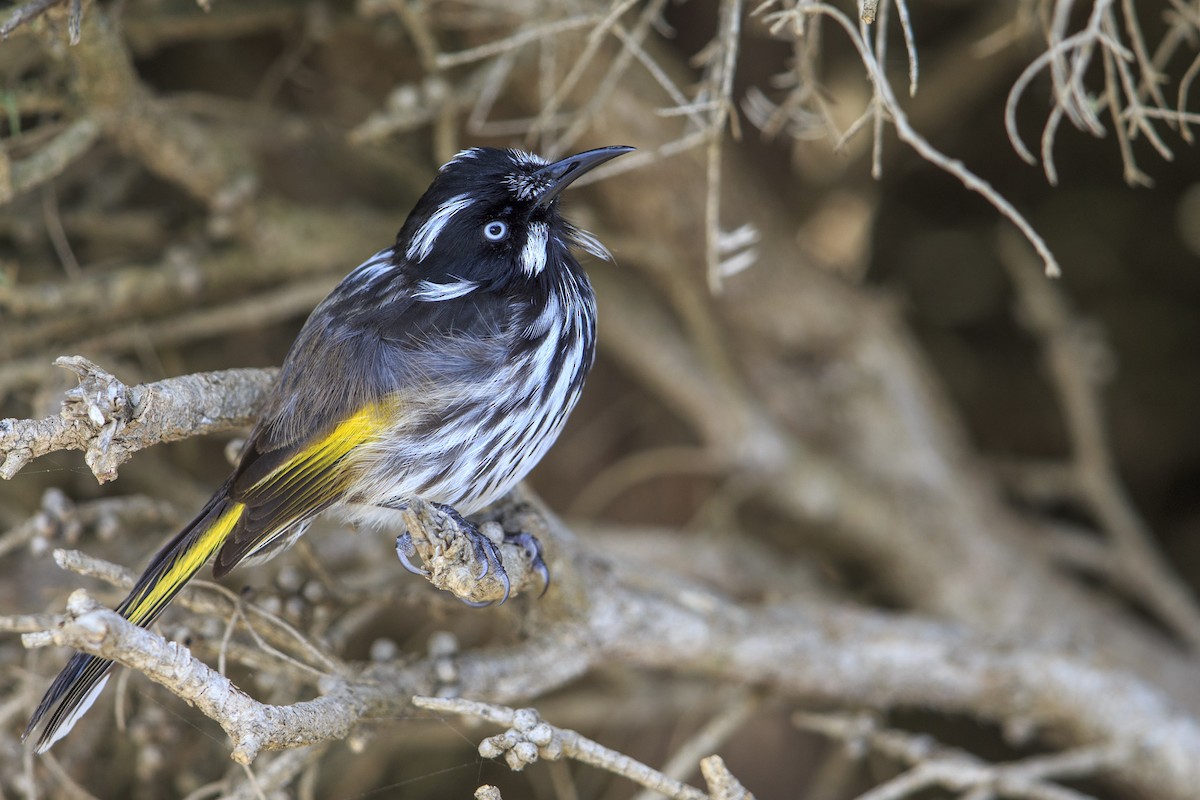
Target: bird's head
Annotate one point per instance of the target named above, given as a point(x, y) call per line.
point(491, 216)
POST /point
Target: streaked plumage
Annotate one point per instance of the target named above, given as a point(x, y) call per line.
point(442, 368)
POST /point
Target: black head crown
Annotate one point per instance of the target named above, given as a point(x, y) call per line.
point(491, 216)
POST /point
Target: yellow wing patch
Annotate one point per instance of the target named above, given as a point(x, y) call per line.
point(141, 608)
point(306, 482)
point(366, 425)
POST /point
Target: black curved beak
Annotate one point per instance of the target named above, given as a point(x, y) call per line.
point(561, 174)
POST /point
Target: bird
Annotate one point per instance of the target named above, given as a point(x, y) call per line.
point(441, 369)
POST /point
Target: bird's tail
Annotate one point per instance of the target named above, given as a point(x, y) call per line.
point(80, 682)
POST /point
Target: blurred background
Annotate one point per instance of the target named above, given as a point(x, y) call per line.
point(187, 181)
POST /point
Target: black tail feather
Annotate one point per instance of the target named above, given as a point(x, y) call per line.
point(68, 698)
point(83, 678)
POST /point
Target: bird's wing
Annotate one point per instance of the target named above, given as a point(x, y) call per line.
point(282, 487)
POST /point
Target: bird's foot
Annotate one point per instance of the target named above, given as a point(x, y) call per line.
point(466, 557)
point(463, 559)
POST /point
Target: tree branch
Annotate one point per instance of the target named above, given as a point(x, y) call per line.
point(110, 421)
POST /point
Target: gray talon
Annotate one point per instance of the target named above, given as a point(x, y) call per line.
point(533, 549)
point(489, 554)
point(485, 552)
point(406, 551)
point(507, 584)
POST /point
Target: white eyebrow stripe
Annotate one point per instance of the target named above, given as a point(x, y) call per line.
point(533, 256)
point(460, 156)
point(436, 292)
point(423, 241)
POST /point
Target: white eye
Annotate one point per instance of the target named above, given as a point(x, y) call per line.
point(495, 231)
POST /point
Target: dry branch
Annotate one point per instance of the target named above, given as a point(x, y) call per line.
point(54, 157)
point(902, 482)
point(954, 770)
point(110, 421)
point(528, 738)
point(1072, 359)
point(279, 245)
point(29, 11)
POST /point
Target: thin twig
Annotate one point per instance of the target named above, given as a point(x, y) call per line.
point(529, 738)
point(25, 13)
point(927, 151)
point(1073, 373)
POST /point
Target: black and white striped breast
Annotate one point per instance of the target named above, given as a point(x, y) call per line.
point(489, 381)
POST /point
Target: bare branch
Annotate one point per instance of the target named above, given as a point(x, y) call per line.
point(934, 765)
point(1130, 90)
point(722, 785)
point(828, 653)
point(908, 134)
point(1076, 369)
point(528, 738)
point(110, 421)
point(62, 520)
point(170, 145)
point(27, 12)
point(708, 739)
point(252, 726)
point(50, 160)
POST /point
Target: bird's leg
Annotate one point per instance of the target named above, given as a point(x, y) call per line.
point(431, 529)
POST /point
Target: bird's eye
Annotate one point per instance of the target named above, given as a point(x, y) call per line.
point(495, 231)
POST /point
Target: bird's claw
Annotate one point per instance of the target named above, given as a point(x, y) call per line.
point(488, 553)
point(533, 551)
point(483, 551)
point(406, 551)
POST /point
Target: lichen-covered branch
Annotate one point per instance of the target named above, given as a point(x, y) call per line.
point(110, 421)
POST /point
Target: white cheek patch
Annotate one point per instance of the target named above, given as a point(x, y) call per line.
point(428, 233)
point(432, 292)
point(533, 255)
